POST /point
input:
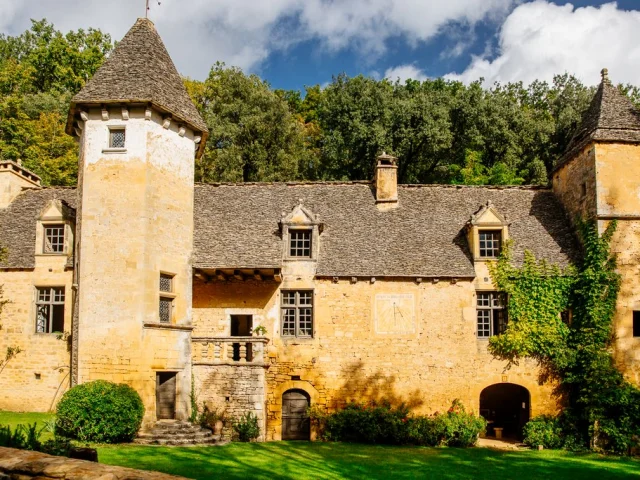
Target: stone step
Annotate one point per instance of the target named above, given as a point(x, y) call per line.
point(179, 436)
point(205, 441)
point(177, 431)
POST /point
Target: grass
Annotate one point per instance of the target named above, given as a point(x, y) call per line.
point(305, 460)
point(14, 419)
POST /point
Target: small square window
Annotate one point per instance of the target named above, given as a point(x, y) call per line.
point(636, 323)
point(116, 138)
point(490, 243)
point(300, 243)
point(53, 238)
point(166, 282)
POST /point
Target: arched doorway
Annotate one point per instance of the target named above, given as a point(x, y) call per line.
point(506, 406)
point(295, 420)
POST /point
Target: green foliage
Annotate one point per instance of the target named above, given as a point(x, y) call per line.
point(208, 417)
point(252, 134)
point(387, 425)
point(373, 423)
point(247, 427)
point(544, 430)
point(193, 398)
point(99, 411)
point(602, 409)
point(537, 294)
point(29, 437)
point(40, 70)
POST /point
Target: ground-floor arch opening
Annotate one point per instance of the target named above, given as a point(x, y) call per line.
point(295, 419)
point(505, 406)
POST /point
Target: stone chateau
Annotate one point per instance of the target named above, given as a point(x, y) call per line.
point(364, 290)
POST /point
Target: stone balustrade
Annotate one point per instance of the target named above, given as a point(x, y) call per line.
point(228, 350)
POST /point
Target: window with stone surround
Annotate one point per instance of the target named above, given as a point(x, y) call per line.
point(167, 297)
point(490, 243)
point(49, 309)
point(117, 137)
point(300, 243)
point(491, 314)
point(297, 313)
point(636, 323)
point(53, 238)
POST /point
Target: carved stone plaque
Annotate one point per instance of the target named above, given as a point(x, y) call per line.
point(394, 313)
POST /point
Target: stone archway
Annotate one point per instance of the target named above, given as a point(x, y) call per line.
point(506, 406)
point(295, 419)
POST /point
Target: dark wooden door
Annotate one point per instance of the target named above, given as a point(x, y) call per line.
point(165, 395)
point(295, 421)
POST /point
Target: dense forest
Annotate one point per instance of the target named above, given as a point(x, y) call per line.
point(442, 131)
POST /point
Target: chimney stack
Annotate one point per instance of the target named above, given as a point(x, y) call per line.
point(387, 181)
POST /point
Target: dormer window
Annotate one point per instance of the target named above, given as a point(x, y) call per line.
point(300, 234)
point(116, 138)
point(53, 238)
point(487, 231)
point(490, 243)
point(300, 243)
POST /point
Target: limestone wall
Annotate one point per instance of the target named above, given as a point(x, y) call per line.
point(24, 464)
point(618, 173)
point(575, 184)
point(36, 379)
point(136, 221)
point(422, 351)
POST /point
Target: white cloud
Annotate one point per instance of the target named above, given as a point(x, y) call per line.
point(245, 32)
point(540, 39)
point(404, 73)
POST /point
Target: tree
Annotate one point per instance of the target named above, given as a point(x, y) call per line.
point(40, 70)
point(253, 135)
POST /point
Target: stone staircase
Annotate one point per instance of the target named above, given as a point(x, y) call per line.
point(176, 432)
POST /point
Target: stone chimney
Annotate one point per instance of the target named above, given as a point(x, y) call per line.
point(13, 179)
point(387, 181)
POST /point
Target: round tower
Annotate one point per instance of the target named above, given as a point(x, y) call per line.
point(138, 132)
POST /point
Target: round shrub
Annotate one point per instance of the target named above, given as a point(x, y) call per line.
point(544, 430)
point(99, 411)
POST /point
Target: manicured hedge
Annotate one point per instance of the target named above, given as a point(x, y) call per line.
point(100, 411)
point(384, 424)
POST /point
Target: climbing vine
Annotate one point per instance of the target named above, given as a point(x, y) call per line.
point(563, 318)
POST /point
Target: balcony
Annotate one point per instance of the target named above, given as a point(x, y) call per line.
point(238, 351)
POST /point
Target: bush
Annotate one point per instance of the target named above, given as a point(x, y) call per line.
point(459, 428)
point(99, 411)
point(247, 427)
point(384, 424)
point(544, 430)
point(368, 424)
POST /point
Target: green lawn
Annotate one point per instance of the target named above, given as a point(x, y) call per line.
point(14, 418)
point(304, 460)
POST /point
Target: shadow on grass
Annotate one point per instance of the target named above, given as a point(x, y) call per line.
point(302, 460)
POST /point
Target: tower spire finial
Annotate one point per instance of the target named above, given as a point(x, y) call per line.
point(605, 75)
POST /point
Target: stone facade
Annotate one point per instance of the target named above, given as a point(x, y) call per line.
point(358, 351)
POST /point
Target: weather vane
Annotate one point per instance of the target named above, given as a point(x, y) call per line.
point(146, 12)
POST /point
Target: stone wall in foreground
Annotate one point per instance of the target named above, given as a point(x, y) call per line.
point(24, 464)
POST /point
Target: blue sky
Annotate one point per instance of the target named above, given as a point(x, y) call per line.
point(292, 43)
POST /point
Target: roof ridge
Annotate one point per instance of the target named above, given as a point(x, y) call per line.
point(367, 182)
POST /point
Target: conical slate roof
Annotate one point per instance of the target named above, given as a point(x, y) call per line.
point(610, 117)
point(140, 70)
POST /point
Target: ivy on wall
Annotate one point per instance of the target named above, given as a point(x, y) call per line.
point(563, 318)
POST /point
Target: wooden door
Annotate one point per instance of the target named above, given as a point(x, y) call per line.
point(165, 395)
point(295, 421)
